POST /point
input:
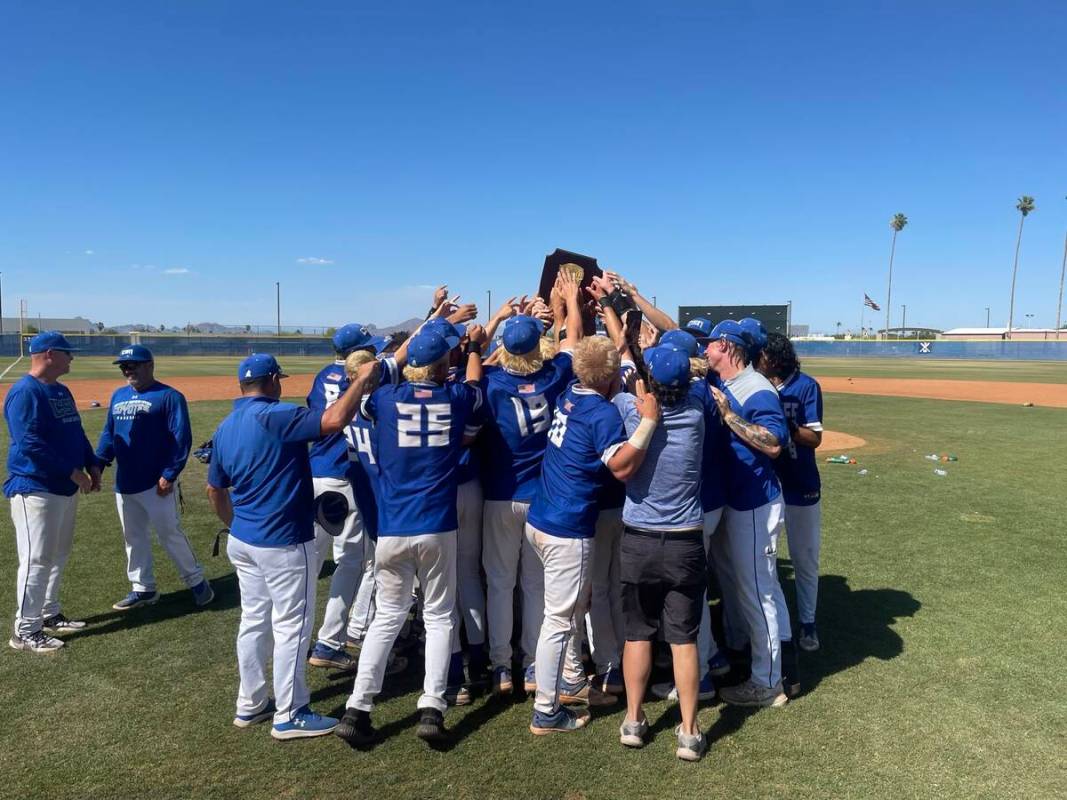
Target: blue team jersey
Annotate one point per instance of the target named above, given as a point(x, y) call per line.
point(468, 467)
point(512, 443)
point(797, 466)
point(147, 434)
point(612, 494)
point(750, 478)
point(715, 450)
point(261, 453)
point(329, 455)
point(586, 432)
point(363, 470)
point(418, 435)
point(47, 439)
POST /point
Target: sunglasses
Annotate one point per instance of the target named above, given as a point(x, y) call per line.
point(130, 366)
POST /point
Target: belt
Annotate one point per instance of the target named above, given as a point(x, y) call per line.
point(691, 533)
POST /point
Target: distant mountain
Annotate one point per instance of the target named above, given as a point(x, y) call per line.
point(407, 325)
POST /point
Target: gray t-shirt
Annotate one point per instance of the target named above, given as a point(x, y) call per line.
point(664, 494)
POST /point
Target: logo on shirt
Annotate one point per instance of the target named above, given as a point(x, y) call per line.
point(334, 376)
point(63, 408)
point(128, 409)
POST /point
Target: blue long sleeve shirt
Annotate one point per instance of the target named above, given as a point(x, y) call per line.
point(47, 439)
point(147, 434)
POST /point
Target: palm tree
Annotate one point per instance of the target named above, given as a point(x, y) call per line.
point(1025, 206)
point(838, 328)
point(897, 224)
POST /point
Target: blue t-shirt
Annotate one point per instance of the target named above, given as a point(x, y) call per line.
point(664, 493)
point(797, 466)
point(147, 434)
point(715, 449)
point(612, 494)
point(586, 432)
point(363, 470)
point(329, 455)
point(512, 443)
point(47, 439)
point(418, 433)
point(750, 478)
point(261, 453)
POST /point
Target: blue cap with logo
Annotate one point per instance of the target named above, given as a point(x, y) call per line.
point(259, 365)
point(50, 340)
point(667, 366)
point(731, 331)
point(700, 327)
point(522, 334)
point(446, 330)
point(680, 340)
point(756, 332)
point(427, 347)
point(135, 353)
point(354, 336)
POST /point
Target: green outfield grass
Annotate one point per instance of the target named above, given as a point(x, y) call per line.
point(89, 367)
point(944, 369)
point(941, 615)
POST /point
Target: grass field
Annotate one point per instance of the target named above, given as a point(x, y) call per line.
point(944, 369)
point(941, 614)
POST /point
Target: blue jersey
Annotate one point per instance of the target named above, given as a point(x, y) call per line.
point(261, 452)
point(329, 455)
point(363, 470)
point(612, 494)
point(147, 434)
point(47, 439)
point(750, 478)
point(418, 433)
point(467, 469)
point(586, 432)
point(796, 467)
point(512, 444)
point(715, 449)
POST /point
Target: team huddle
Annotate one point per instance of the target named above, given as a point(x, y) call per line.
point(536, 489)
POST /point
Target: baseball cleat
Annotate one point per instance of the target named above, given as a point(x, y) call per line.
point(583, 693)
point(57, 623)
point(690, 746)
point(36, 642)
point(502, 684)
point(303, 724)
point(809, 637)
point(563, 721)
point(248, 720)
point(136, 600)
point(354, 644)
point(323, 655)
point(719, 664)
point(632, 734)
point(458, 695)
point(753, 694)
point(529, 682)
point(431, 727)
point(610, 681)
point(668, 691)
point(203, 593)
point(355, 728)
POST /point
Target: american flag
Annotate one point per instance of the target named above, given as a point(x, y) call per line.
point(867, 301)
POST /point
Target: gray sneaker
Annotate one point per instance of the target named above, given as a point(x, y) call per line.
point(36, 642)
point(690, 746)
point(632, 734)
point(753, 694)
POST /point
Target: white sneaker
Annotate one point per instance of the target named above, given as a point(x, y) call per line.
point(690, 746)
point(632, 734)
point(37, 642)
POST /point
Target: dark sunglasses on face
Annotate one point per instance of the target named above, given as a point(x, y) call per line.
point(130, 366)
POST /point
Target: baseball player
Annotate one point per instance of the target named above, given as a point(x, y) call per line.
point(798, 473)
point(585, 441)
point(330, 467)
point(420, 428)
point(749, 407)
point(259, 484)
point(147, 434)
point(48, 461)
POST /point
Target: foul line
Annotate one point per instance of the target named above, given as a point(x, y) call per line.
point(9, 366)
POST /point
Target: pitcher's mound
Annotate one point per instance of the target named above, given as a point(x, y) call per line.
point(835, 440)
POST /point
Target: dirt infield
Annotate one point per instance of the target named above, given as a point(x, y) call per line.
point(835, 442)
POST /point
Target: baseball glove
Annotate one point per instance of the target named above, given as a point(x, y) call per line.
point(203, 452)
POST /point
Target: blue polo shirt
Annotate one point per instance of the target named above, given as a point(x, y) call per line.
point(797, 466)
point(47, 439)
point(261, 454)
point(148, 435)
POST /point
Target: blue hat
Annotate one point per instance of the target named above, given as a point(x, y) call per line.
point(426, 347)
point(667, 366)
point(522, 334)
point(446, 330)
point(259, 365)
point(756, 332)
point(680, 340)
point(354, 336)
point(731, 331)
point(50, 340)
point(136, 353)
point(700, 327)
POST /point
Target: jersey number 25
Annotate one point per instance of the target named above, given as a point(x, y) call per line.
point(420, 425)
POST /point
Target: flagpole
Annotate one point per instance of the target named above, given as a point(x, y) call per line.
point(863, 310)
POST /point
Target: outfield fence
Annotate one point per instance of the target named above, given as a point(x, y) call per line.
point(936, 349)
point(163, 346)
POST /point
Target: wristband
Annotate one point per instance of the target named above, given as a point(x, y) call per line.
point(642, 437)
point(473, 347)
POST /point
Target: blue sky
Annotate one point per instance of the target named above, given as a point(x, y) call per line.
point(167, 162)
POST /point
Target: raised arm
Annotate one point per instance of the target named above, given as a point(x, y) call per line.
point(568, 289)
point(654, 315)
point(477, 337)
point(338, 415)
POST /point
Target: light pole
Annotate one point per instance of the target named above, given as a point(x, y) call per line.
point(903, 319)
point(987, 316)
point(489, 304)
point(1029, 317)
point(1059, 303)
point(278, 305)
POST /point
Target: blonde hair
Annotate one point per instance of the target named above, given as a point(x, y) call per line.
point(521, 364)
point(596, 360)
point(356, 360)
point(698, 367)
point(427, 373)
point(548, 348)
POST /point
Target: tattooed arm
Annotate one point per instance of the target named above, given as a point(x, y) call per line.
point(755, 436)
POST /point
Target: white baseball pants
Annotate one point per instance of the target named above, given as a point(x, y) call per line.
point(347, 549)
point(706, 644)
point(431, 557)
point(509, 558)
point(44, 534)
point(277, 615)
point(362, 612)
point(752, 541)
point(140, 511)
point(470, 597)
point(734, 627)
point(803, 528)
point(605, 623)
point(567, 594)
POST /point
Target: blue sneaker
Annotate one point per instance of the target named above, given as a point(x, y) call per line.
point(530, 679)
point(719, 664)
point(610, 681)
point(502, 684)
point(322, 655)
point(303, 724)
point(136, 600)
point(668, 691)
point(248, 720)
point(203, 593)
point(563, 721)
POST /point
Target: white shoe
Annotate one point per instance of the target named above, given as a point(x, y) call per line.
point(37, 642)
point(690, 746)
point(632, 734)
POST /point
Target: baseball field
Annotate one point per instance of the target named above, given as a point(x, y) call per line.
point(941, 609)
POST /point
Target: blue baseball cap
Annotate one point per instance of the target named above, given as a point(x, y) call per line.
point(680, 340)
point(427, 347)
point(522, 334)
point(135, 353)
point(446, 330)
point(731, 331)
point(756, 332)
point(50, 340)
point(700, 327)
point(667, 366)
point(354, 336)
point(259, 365)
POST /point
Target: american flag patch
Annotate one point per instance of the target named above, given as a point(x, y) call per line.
point(526, 388)
point(422, 394)
point(334, 376)
point(568, 406)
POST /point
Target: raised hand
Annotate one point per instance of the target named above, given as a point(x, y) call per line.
point(476, 333)
point(463, 313)
point(647, 404)
point(440, 294)
point(506, 310)
point(568, 288)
